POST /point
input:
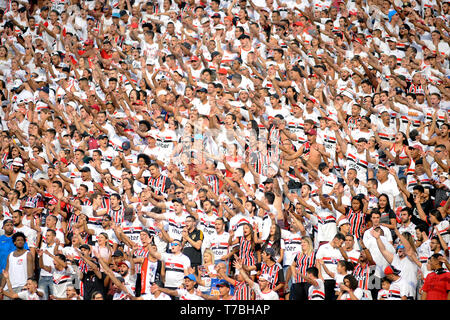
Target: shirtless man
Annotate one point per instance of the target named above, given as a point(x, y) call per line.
point(310, 151)
point(15, 174)
point(442, 138)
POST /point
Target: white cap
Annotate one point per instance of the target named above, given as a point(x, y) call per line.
point(264, 276)
point(17, 162)
point(347, 94)
point(343, 221)
point(17, 83)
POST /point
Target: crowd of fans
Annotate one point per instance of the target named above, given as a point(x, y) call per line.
point(244, 150)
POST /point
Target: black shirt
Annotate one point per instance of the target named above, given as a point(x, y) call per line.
point(193, 254)
point(92, 283)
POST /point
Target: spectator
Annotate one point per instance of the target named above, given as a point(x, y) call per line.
point(168, 128)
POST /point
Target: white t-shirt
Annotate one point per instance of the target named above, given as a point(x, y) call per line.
point(175, 266)
point(26, 295)
point(259, 295)
point(317, 293)
point(358, 293)
point(330, 257)
point(185, 295)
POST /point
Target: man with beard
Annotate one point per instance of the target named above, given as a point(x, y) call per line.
point(131, 227)
point(126, 271)
point(92, 278)
point(19, 264)
point(363, 272)
point(436, 285)
point(188, 292)
point(16, 173)
point(31, 235)
point(442, 138)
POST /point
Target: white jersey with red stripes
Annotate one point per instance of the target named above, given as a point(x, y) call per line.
point(218, 243)
point(317, 292)
point(357, 161)
point(61, 279)
point(175, 266)
point(133, 230)
point(175, 223)
point(330, 257)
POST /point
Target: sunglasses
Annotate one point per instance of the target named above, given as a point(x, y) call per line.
point(174, 244)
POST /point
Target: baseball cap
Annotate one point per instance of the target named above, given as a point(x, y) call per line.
point(187, 45)
point(264, 276)
point(343, 221)
point(29, 204)
point(311, 132)
point(191, 277)
point(85, 246)
point(7, 221)
point(125, 263)
point(45, 89)
point(126, 145)
point(268, 180)
point(391, 270)
point(17, 162)
point(275, 95)
point(17, 83)
point(418, 147)
point(223, 283)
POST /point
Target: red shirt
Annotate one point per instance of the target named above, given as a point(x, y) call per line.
point(437, 285)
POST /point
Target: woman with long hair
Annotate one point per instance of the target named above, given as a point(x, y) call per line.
point(275, 242)
point(302, 261)
point(355, 214)
point(388, 217)
point(102, 248)
point(206, 272)
point(22, 188)
point(247, 245)
point(349, 290)
point(398, 152)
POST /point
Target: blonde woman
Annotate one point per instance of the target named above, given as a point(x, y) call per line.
point(206, 272)
point(302, 261)
point(102, 248)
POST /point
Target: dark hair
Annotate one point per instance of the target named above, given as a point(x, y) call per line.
point(18, 235)
point(314, 271)
point(270, 196)
point(339, 236)
point(52, 231)
point(435, 213)
point(359, 199)
point(353, 282)
point(276, 245)
point(388, 204)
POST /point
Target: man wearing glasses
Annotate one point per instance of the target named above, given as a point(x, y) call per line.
point(176, 264)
